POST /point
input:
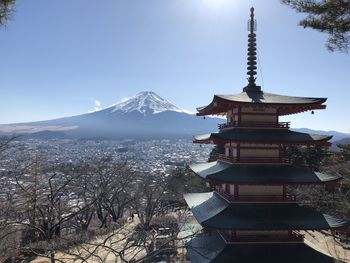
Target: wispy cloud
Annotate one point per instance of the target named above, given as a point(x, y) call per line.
point(97, 105)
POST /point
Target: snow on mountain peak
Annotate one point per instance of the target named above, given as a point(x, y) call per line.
point(146, 102)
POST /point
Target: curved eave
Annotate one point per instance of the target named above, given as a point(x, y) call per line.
point(260, 174)
point(285, 104)
point(203, 138)
point(265, 136)
point(210, 248)
point(213, 211)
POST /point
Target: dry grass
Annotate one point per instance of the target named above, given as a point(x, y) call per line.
point(324, 242)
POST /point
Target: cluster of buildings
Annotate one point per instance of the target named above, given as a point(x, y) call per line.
point(156, 156)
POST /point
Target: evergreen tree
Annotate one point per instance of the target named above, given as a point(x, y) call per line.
point(6, 8)
point(344, 152)
point(214, 154)
point(329, 16)
point(310, 156)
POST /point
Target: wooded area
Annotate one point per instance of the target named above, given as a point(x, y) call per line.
point(69, 212)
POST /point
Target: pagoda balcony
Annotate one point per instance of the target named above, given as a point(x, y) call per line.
point(257, 198)
point(293, 237)
point(255, 160)
point(254, 124)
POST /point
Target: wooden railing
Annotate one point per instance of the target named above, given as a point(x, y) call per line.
point(255, 124)
point(257, 198)
point(271, 160)
point(288, 238)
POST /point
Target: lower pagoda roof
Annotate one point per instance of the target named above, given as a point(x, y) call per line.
point(260, 174)
point(263, 136)
point(211, 248)
point(213, 211)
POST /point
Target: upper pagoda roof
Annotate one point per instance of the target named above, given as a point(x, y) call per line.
point(260, 174)
point(264, 97)
point(285, 104)
point(212, 210)
point(262, 136)
point(212, 248)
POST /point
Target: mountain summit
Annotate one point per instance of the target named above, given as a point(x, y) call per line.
point(146, 115)
point(146, 102)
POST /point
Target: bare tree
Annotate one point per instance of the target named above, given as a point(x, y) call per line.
point(44, 204)
point(5, 142)
point(85, 193)
point(113, 187)
point(152, 191)
point(56, 211)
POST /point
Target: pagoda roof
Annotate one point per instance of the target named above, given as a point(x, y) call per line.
point(211, 248)
point(286, 104)
point(268, 136)
point(260, 174)
point(212, 210)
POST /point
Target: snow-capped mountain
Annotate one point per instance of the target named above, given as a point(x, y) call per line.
point(146, 115)
point(146, 102)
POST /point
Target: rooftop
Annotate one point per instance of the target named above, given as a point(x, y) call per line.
point(213, 211)
point(268, 136)
point(260, 174)
point(212, 248)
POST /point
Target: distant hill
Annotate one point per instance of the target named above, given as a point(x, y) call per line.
point(146, 115)
point(342, 141)
point(44, 135)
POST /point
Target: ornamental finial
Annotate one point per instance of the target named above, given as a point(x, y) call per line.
point(251, 54)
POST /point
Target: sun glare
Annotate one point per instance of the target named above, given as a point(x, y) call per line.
point(217, 4)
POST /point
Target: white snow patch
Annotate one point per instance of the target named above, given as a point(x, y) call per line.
point(147, 102)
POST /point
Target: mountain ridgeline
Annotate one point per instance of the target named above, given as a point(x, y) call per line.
point(143, 116)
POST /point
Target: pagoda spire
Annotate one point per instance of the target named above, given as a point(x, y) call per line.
point(251, 54)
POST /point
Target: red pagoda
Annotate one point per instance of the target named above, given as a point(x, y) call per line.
point(249, 216)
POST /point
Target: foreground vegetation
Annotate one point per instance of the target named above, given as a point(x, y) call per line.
point(98, 210)
point(74, 212)
point(327, 200)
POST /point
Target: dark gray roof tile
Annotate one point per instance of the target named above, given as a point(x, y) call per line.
point(264, 97)
point(211, 248)
point(216, 212)
point(260, 174)
point(262, 136)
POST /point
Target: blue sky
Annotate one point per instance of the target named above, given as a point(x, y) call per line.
point(57, 57)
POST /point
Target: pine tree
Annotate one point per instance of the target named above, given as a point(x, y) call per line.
point(329, 16)
point(6, 9)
